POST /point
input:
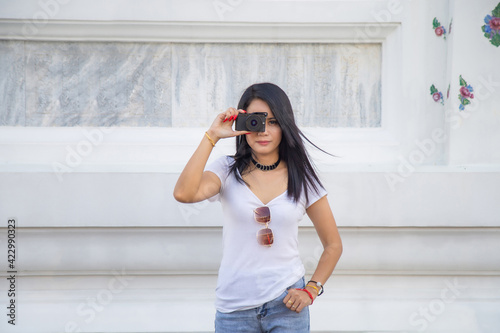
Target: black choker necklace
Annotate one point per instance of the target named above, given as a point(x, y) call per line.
point(266, 167)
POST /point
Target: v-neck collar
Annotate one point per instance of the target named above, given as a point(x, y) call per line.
point(255, 195)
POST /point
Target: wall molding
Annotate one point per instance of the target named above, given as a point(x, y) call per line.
point(424, 251)
point(358, 199)
point(195, 32)
point(382, 145)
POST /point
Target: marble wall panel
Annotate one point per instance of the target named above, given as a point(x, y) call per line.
point(12, 83)
point(182, 84)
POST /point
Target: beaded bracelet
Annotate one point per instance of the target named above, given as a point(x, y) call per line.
point(308, 293)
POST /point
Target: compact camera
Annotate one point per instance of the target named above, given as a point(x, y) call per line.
point(252, 122)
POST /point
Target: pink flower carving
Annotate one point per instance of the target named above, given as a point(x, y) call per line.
point(465, 92)
point(495, 23)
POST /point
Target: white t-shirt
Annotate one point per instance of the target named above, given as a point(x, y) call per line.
point(251, 274)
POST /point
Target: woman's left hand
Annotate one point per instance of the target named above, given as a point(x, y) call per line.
point(296, 300)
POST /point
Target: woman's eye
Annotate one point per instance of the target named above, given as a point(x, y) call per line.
point(273, 122)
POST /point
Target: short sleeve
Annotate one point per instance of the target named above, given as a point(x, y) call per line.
point(221, 169)
point(315, 195)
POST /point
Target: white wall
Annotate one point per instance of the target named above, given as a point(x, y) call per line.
point(104, 247)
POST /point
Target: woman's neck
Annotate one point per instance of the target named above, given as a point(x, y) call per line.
point(267, 159)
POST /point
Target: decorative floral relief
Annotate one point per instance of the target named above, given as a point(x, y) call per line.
point(437, 96)
point(466, 94)
point(439, 29)
point(491, 28)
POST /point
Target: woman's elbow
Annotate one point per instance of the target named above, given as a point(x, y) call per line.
point(336, 247)
point(340, 248)
point(181, 196)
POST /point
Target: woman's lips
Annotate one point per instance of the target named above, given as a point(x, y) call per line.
point(263, 143)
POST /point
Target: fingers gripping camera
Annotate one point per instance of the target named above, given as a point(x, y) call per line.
point(252, 122)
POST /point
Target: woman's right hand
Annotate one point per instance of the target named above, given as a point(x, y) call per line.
point(222, 127)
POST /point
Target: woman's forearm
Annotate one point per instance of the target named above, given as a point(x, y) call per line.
point(188, 184)
point(327, 262)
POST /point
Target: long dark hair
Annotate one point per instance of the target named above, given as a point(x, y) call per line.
point(301, 173)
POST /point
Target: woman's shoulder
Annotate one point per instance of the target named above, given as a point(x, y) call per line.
point(227, 160)
point(224, 159)
point(221, 164)
point(315, 191)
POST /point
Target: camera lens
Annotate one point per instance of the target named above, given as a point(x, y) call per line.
point(252, 123)
point(255, 122)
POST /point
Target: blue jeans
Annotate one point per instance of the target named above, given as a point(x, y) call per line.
point(273, 317)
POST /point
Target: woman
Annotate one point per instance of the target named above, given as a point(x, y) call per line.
point(265, 189)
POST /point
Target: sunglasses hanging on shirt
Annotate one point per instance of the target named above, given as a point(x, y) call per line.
point(265, 235)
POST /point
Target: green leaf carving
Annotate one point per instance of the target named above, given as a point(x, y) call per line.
point(462, 82)
point(496, 40)
point(435, 23)
point(496, 11)
point(465, 102)
point(433, 90)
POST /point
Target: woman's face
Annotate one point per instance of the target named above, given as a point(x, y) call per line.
point(264, 143)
